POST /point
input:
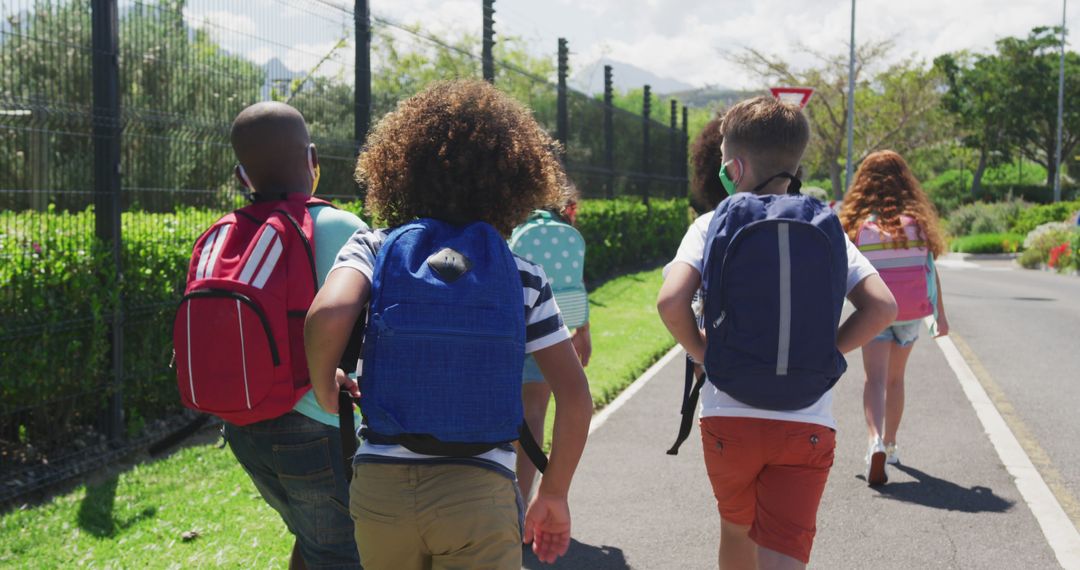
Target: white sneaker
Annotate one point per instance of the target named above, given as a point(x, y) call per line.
point(892, 456)
point(875, 464)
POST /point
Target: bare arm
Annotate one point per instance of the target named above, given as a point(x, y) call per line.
point(942, 319)
point(547, 522)
point(875, 309)
point(675, 307)
point(329, 323)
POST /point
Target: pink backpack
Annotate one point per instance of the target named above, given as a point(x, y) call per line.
point(906, 270)
point(239, 330)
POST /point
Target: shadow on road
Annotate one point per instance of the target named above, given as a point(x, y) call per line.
point(930, 491)
point(580, 556)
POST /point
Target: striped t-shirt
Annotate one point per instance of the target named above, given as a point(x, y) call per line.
point(543, 328)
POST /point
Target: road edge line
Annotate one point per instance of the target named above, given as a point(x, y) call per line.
point(601, 417)
point(1055, 524)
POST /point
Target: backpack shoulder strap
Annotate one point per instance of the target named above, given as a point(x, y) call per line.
point(691, 393)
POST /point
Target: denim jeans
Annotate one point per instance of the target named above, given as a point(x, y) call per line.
point(297, 465)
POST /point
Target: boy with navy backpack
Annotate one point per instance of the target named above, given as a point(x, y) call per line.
point(451, 314)
point(238, 333)
point(774, 267)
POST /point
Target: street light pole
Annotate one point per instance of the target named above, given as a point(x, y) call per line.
point(1061, 108)
point(851, 108)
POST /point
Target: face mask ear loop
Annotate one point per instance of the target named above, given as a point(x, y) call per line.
point(248, 188)
point(316, 172)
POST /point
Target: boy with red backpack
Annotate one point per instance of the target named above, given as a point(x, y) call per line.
point(774, 267)
point(239, 340)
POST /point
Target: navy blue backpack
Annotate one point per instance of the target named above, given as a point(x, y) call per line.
point(445, 342)
point(775, 280)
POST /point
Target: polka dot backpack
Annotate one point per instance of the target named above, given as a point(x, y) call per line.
point(559, 248)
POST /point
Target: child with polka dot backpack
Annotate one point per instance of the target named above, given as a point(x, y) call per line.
point(549, 238)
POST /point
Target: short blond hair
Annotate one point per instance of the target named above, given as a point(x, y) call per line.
point(772, 135)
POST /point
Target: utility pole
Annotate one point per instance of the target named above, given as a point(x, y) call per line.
point(850, 110)
point(1061, 108)
point(488, 50)
point(362, 73)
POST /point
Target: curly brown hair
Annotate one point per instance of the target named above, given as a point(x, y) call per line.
point(885, 186)
point(459, 151)
point(706, 159)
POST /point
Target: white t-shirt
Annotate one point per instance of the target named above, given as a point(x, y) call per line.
point(715, 402)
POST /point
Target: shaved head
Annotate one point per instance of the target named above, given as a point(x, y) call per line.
point(270, 140)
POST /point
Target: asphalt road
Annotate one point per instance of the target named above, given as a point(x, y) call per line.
point(951, 504)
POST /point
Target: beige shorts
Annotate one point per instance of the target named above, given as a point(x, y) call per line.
point(441, 516)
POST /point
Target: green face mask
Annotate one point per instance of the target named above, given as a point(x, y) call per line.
point(726, 180)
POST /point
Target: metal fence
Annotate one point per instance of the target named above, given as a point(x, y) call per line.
point(114, 155)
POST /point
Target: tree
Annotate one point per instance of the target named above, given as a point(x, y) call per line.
point(974, 99)
point(897, 106)
point(1030, 86)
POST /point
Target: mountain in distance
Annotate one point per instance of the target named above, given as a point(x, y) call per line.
point(626, 76)
point(712, 97)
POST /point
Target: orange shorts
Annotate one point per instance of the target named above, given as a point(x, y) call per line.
point(769, 474)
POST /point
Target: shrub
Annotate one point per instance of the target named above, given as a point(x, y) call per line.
point(1042, 240)
point(58, 296)
point(1036, 216)
point(988, 243)
point(623, 234)
point(985, 218)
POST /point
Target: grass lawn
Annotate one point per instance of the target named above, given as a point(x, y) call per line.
point(139, 517)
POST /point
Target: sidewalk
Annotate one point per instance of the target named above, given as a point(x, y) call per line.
point(950, 505)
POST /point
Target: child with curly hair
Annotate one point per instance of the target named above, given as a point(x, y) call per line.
point(891, 220)
point(463, 160)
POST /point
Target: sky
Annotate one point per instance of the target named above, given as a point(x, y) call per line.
point(688, 40)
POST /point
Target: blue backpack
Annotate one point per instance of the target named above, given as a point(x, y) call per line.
point(445, 341)
point(775, 280)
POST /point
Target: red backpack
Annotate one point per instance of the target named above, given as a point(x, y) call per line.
point(239, 329)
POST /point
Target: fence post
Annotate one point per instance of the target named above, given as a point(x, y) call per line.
point(105, 74)
point(685, 170)
point(562, 118)
point(675, 171)
point(609, 131)
point(646, 167)
point(362, 91)
point(489, 41)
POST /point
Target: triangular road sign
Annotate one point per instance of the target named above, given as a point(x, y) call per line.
point(799, 95)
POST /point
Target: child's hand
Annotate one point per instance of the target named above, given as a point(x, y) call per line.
point(344, 382)
point(582, 344)
point(328, 398)
point(942, 325)
point(547, 527)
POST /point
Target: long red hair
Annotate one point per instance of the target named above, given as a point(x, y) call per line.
point(884, 186)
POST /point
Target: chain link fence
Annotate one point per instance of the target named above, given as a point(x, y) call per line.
point(114, 156)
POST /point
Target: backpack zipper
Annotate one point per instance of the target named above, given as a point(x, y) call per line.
point(220, 293)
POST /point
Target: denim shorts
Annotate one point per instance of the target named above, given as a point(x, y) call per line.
point(298, 466)
point(903, 333)
point(531, 373)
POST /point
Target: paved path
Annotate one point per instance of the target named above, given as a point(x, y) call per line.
point(950, 505)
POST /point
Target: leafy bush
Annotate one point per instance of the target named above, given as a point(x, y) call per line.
point(988, 243)
point(985, 218)
point(58, 296)
point(1042, 240)
point(623, 234)
point(1036, 216)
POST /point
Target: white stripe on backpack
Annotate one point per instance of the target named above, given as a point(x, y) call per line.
point(257, 254)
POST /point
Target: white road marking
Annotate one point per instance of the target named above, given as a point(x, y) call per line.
point(599, 419)
point(1060, 533)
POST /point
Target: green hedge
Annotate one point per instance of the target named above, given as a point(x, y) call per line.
point(988, 243)
point(1038, 215)
point(58, 294)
